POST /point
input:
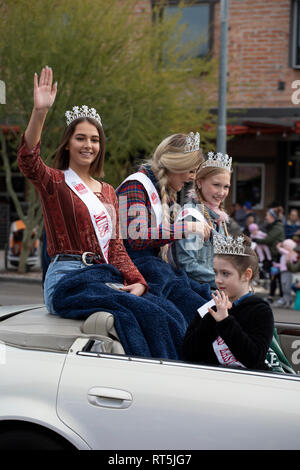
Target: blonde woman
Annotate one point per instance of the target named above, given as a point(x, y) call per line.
point(147, 199)
point(193, 253)
point(150, 222)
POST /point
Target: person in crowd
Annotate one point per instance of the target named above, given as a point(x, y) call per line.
point(193, 253)
point(239, 215)
point(238, 331)
point(263, 251)
point(287, 255)
point(292, 225)
point(251, 217)
point(275, 234)
point(72, 198)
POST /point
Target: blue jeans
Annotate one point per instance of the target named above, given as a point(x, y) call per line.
point(55, 271)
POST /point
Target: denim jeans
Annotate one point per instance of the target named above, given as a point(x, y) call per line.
point(56, 270)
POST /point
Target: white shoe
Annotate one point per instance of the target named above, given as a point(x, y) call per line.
point(281, 303)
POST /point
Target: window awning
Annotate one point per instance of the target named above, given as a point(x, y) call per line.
point(261, 126)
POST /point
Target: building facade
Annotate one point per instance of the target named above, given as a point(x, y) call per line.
point(263, 94)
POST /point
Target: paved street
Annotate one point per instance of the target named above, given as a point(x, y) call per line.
point(18, 293)
point(18, 289)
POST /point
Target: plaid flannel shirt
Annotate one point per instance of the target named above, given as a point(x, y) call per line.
point(137, 219)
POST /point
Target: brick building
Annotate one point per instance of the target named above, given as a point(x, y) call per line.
point(263, 122)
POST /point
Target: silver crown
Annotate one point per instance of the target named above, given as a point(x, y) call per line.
point(192, 142)
point(218, 160)
point(83, 111)
point(229, 245)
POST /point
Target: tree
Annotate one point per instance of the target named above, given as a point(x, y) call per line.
point(107, 56)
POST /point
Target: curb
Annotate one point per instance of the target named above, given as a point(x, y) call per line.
point(21, 279)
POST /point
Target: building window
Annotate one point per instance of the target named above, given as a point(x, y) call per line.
point(248, 184)
point(198, 18)
point(295, 36)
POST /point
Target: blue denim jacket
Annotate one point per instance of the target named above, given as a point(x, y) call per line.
point(194, 255)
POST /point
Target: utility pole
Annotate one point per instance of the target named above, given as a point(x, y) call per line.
point(222, 130)
point(2, 92)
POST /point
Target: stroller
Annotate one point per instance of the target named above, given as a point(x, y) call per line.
point(14, 247)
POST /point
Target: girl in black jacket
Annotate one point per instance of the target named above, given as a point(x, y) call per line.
point(238, 330)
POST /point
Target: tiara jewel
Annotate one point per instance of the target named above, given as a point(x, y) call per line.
point(229, 245)
point(83, 111)
point(219, 160)
point(192, 142)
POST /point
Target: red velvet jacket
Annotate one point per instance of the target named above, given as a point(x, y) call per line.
point(68, 225)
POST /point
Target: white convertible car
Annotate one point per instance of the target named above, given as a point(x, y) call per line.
point(67, 384)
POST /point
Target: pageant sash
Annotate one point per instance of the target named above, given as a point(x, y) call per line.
point(100, 218)
point(222, 351)
point(151, 191)
point(190, 211)
point(224, 355)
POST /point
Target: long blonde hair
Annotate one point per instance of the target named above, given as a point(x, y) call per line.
point(168, 157)
point(203, 173)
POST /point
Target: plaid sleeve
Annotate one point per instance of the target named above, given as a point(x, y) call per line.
point(138, 222)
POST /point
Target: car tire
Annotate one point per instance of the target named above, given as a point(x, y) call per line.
point(28, 439)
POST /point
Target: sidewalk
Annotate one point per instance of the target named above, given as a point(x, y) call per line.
point(12, 275)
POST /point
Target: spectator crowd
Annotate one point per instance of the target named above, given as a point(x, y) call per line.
point(276, 240)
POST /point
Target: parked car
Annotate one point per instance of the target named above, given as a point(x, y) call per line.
point(67, 384)
point(12, 249)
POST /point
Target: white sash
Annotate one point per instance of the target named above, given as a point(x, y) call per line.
point(99, 216)
point(224, 355)
point(222, 351)
point(186, 211)
point(151, 191)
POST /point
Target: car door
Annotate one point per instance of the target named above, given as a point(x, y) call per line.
point(116, 402)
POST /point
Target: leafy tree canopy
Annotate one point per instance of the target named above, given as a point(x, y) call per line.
point(106, 55)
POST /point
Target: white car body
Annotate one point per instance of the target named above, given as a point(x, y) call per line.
point(102, 400)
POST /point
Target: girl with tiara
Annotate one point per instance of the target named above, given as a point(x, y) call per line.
point(79, 211)
point(90, 270)
point(193, 253)
point(238, 330)
point(148, 197)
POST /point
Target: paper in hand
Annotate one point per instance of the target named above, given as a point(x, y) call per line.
point(203, 310)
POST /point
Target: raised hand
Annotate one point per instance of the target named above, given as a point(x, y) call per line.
point(222, 303)
point(44, 92)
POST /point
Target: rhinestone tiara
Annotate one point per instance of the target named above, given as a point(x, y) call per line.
point(79, 112)
point(192, 142)
point(218, 160)
point(229, 245)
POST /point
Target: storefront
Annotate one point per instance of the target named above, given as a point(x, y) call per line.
point(265, 147)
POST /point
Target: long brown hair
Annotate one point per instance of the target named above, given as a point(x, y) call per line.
point(62, 158)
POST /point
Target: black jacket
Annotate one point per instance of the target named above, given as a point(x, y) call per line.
point(247, 331)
